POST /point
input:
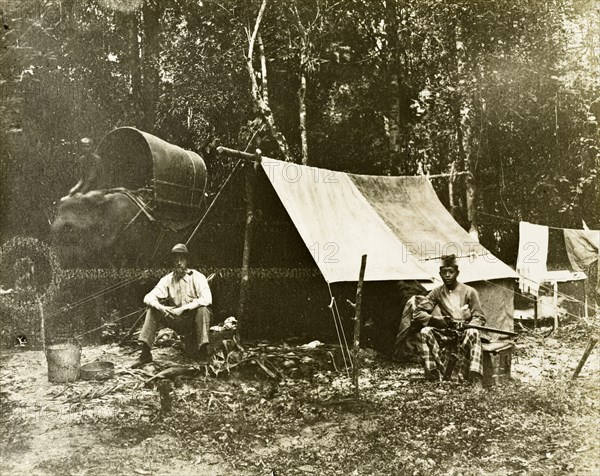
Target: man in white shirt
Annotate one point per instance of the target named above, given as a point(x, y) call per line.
point(179, 301)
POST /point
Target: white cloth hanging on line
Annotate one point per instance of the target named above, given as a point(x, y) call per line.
point(532, 257)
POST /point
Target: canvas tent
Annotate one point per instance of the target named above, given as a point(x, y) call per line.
point(399, 222)
point(311, 217)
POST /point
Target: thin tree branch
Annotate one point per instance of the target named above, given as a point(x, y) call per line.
point(263, 71)
point(263, 107)
point(252, 39)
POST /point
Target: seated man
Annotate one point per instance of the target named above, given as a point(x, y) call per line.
point(459, 305)
point(179, 301)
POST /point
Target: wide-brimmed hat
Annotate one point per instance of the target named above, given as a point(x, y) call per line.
point(180, 248)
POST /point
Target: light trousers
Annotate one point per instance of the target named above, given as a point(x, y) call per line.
point(197, 320)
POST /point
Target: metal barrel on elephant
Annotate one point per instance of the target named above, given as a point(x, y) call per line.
point(133, 159)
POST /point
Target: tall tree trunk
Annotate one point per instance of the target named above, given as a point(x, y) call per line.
point(304, 52)
point(470, 185)
point(134, 61)
point(394, 112)
point(151, 13)
point(302, 109)
point(472, 206)
point(399, 112)
point(463, 133)
point(263, 71)
point(451, 189)
point(263, 107)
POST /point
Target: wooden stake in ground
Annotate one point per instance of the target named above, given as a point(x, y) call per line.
point(586, 354)
point(361, 277)
point(165, 388)
point(42, 324)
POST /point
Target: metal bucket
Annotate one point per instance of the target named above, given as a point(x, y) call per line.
point(63, 362)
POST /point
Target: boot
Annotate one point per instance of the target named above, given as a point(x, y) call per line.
point(203, 353)
point(433, 375)
point(144, 358)
point(476, 381)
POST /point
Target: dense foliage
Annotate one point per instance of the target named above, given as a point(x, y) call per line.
point(509, 91)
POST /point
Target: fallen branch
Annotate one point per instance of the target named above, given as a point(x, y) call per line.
point(129, 372)
point(92, 393)
point(172, 372)
point(275, 369)
point(267, 371)
point(67, 387)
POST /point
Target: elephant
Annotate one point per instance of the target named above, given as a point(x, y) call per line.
point(138, 192)
point(103, 228)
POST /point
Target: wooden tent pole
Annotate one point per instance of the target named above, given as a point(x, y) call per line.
point(245, 279)
point(359, 287)
point(238, 154)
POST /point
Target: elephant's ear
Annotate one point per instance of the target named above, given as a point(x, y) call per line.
point(115, 211)
point(119, 209)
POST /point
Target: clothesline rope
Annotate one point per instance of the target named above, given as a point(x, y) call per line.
point(512, 220)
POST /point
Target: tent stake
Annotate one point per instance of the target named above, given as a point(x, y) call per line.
point(586, 354)
point(245, 280)
point(355, 360)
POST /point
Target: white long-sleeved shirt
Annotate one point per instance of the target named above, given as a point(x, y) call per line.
point(190, 292)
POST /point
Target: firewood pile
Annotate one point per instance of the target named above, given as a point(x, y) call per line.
point(232, 360)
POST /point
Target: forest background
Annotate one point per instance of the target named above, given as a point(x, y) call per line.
point(508, 91)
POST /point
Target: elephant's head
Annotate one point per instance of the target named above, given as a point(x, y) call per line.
point(87, 226)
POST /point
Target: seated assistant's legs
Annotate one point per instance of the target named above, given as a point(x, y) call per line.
point(470, 354)
point(429, 350)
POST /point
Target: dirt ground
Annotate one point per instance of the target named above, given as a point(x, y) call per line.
point(541, 423)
